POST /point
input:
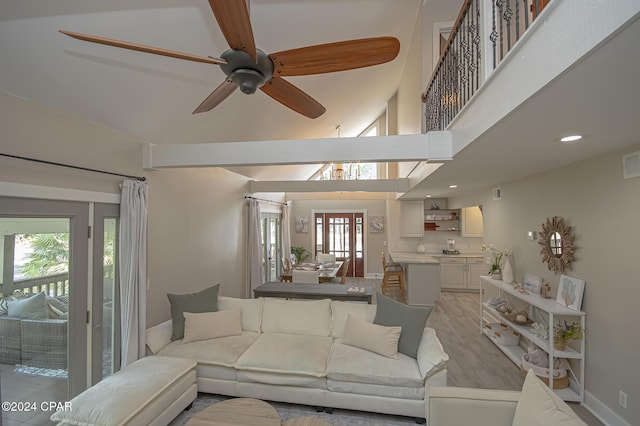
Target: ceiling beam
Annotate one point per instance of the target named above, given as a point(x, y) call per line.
point(432, 146)
point(368, 185)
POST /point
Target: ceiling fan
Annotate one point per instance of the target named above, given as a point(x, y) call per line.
point(250, 68)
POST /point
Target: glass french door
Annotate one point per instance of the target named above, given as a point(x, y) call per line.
point(271, 246)
point(105, 317)
point(342, 234)
point(44, 249)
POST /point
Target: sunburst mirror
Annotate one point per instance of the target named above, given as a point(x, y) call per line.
point(556, 241)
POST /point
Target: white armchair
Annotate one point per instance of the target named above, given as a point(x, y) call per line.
point(536, 404)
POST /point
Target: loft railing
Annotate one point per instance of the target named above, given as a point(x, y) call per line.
point(484, 32)
point(52, 285)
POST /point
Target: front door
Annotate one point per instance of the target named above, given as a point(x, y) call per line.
point(342, 234)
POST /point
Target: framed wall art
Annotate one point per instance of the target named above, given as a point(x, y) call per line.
point(570, 292)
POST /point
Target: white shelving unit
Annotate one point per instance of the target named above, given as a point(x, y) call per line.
point(575, 391)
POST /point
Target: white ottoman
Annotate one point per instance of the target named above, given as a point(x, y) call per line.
point(151, 391)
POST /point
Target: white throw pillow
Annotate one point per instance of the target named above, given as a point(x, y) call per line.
point(211, 325)
point(375, 338)
point(540, 406)
point(340, 311)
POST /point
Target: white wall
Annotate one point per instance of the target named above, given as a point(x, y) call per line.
point(196, 216)
point(604, 210)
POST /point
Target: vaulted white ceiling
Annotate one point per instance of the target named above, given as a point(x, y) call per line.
point(152, 97)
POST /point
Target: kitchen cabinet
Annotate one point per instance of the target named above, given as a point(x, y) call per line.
point(472, 225)
point(411, 219)
point(548, 311)
point(462, 273)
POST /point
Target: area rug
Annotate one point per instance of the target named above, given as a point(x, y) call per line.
point(41, 372)
point(289, 411)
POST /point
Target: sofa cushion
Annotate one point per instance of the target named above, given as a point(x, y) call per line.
point(308, 318)
point(350, 364)
point(119, 397)
point(223, 351)
point(251, 310)
point(376, 390)
point(211, 325)
point(412, 319)
point(203, 301)
point(539, 405)
point(306, 355)
point(340, 311)
point(158, 336)
point(280, 379)
point(375, 338)
point(34, 307)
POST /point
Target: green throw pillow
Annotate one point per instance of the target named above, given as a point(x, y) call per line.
point(412, 319)
point(34, 307)
point(204, 301)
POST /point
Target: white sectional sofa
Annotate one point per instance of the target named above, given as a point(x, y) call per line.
point(295, 351)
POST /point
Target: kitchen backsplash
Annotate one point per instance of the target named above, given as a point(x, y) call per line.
point(435, 242)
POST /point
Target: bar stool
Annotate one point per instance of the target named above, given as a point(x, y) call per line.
point(393, 278)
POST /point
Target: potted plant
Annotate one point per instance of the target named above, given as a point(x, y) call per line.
point(300, 253)
point(496, 256)
point(563, 332)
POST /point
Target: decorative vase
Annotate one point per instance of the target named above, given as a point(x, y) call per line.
point(421, 248)
point(559, 344)
point(507, 272)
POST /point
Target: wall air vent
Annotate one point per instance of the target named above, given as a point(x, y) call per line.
point(497, 193)
point(631, 165)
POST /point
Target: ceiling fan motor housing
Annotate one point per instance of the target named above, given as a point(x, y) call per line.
point(248, 74)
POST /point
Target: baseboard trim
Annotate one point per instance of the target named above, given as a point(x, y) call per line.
point(602, 412)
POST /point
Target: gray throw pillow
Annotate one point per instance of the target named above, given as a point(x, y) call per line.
point(204, 301)
point(34, 307)
point(412, 319)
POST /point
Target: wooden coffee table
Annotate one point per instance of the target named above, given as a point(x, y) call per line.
point(237, 411)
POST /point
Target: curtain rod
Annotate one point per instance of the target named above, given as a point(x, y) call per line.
point(262, 199)
point(52, 163)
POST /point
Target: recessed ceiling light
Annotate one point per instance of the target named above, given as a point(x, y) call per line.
point(571, 138)
point(428, 196)
point(453, 186)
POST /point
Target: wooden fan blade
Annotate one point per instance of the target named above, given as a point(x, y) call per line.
point(234, 22)
point(221, 93)
point(292, 97)
point(332, 57)
point(143, 48)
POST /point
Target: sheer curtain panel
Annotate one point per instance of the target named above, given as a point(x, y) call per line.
point(286, 233)
point(254, 249)
point(133, 269)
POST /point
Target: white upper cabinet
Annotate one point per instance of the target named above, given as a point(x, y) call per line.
point(411, 219)
point(472, 225)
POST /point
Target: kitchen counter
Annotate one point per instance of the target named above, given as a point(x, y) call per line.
point(402, 257)
point(405, 257)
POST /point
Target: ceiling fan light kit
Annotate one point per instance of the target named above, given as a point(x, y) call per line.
point(251, 69)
